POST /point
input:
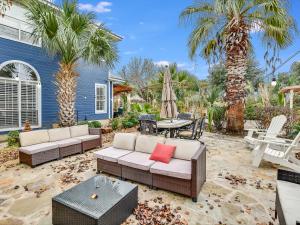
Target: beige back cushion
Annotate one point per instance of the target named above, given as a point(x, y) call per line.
point(59, 134)
point(185, 149)
point(34, 137)
point(81, 130)
point(146, 143)
point(124, 141)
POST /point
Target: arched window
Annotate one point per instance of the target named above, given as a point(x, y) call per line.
point(20, 95)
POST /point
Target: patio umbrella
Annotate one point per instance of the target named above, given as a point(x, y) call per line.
point(168, 107)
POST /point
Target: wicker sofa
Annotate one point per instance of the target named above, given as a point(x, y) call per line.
point(128, 158)
point(287, 206)
point(40, 146)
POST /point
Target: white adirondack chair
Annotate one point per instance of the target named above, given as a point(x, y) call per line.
point(266, 150)
point(273, 131)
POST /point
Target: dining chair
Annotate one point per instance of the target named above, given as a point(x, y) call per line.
point(148, 127)
point(195, 132)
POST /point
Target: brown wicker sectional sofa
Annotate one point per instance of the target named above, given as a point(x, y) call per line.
point(40, 146)
point(128, 158)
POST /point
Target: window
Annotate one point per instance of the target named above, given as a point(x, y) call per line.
point(15, 29)
point(19, 95)
point(100, 98)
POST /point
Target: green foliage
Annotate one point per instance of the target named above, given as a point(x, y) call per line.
point(295, 130)
point(212, 22)
point(216, 115)
point(130, 120)
point(71, 34)
point(219, 116)
point(213, 95)
point(115, 123)
point(251, 109)
point(94, 124)
point(13, 138)
point(281, 99)
point(210, 115)
point(127, 121)
point(217, 76)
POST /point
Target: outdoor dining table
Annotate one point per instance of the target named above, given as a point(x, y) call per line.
point(173, 125)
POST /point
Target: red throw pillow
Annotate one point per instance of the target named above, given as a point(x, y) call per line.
point(163, 153)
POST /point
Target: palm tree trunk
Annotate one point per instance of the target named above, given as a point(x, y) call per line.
point(235, 93)
point(66, 82)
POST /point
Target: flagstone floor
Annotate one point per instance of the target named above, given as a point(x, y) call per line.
point(235, 192)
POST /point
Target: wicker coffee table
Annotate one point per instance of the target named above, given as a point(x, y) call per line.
point(114, 203)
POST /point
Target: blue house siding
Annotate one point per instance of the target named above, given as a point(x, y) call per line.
point(85, 103)
point(47, 67)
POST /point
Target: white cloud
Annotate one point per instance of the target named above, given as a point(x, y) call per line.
point(101, 7)
point(162, 63)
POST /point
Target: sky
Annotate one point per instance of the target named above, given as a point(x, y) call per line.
point(151, 29)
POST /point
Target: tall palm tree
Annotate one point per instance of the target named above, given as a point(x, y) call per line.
point(222, 28)
point(72, 36)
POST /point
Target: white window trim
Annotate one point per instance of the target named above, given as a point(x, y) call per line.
point(39, 95)
point(105, 104)
point(39, 44)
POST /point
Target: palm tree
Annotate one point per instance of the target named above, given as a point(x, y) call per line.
point(72, 36)
point(222, 28)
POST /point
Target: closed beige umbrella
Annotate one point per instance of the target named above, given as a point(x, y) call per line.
point(168, 107)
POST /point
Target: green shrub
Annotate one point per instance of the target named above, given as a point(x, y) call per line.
point(127, 124)
point(13, 138)
point(219, 116)
point(296, 130)
point(115, 123)
point(94, 124)
point(130, 120)
point(251, 110)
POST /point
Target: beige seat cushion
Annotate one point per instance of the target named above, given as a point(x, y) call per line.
point(88, 137)
point(67, 142)
point(111, 154)
point(289, 196)
point(32, 149)
point(59, 134)
point(175, 168)
point(77, 131)
point(125, 141)
point(147, 143)
point(185, 149)
point(34, 137)
point(137, 160)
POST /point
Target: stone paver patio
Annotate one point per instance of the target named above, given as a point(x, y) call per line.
point(235, 192)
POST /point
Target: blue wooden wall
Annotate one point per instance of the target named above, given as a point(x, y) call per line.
point(47, 67)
